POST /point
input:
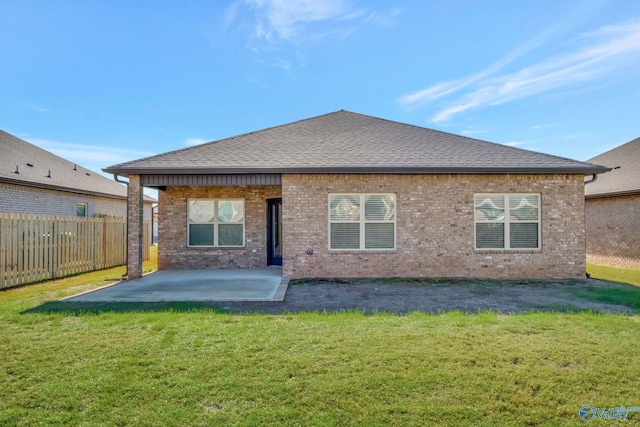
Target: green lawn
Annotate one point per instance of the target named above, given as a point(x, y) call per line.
point(195, 366)
point(615, 274)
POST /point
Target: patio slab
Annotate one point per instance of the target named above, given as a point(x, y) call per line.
point(258, 284)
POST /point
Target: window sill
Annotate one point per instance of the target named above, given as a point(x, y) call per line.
point(508, 251)
point(362, 251)
point(216, 247)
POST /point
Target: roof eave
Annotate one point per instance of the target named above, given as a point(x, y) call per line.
point(358, 169)
point(612, 194)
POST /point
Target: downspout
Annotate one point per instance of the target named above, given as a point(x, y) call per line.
point(126, 248)
point(593, 179)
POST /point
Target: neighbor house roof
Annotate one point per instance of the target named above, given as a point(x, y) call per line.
point(624, 177)
point(346, 142)
point(23, 163)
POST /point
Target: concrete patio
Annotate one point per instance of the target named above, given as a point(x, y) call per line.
point(258, 284)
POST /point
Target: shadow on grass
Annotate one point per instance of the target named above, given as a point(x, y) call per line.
point(399, 298)
point(620, 293)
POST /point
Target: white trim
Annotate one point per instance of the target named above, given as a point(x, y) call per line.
point(216, 222)
point(362, 222)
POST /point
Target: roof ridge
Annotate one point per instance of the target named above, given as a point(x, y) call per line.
point(309, 144)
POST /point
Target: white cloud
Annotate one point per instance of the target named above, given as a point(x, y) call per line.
point(417, 99)
point(284, 64)
point(190, 142)
point(424, 96)
point(90, 156)
point(607, 51)
point(284, 18)
point(33, 107)
point(473, 131)
point(271, 24)
point(572, 136)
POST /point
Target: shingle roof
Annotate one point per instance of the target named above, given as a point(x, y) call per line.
point(624, 177)
point(40, 168)
point(342, 142)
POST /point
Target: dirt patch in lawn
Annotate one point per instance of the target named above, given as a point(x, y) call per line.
point(434, 296)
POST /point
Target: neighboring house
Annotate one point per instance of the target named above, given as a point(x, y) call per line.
point(613, 209)
point(349, 195)
point(36, 181)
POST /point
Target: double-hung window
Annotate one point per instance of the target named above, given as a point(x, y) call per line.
point(215, 223)
point(507, 221)
point(362, 221)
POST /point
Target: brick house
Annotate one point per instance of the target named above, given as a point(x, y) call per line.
point(349, 195)
point(613, 209)
point(36, 181)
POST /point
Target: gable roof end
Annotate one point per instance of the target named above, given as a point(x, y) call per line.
point(624, 178)
point(346, 142)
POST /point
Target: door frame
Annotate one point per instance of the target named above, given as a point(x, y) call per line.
point(273, 259)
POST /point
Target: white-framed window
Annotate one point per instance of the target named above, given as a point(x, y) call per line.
point(215, 222)
point(507, 221)
point(362, 221)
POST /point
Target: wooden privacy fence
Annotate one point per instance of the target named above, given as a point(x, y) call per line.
point(42, 247)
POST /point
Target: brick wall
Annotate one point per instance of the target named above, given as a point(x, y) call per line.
point(435, 227)
point(613, 231)
point(43, 201)
point(172, 228)
point(135, 218)
point(31, 200)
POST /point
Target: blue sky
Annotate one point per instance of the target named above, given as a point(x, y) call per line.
point(101, 82)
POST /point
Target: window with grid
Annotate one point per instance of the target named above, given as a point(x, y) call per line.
point(215, 223)
point(507, 221)
point(362, 221)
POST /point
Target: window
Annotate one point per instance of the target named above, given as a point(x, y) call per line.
point(81, 209)
point(507, 221)
point(362, 221)
point(215, 223)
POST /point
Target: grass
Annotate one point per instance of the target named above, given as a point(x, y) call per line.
point(612, 294)
point(191, 365)
point(615, 274)
point(624, 288)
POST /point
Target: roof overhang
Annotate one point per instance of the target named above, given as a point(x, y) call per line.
point(613, 194)
point(578, 170)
